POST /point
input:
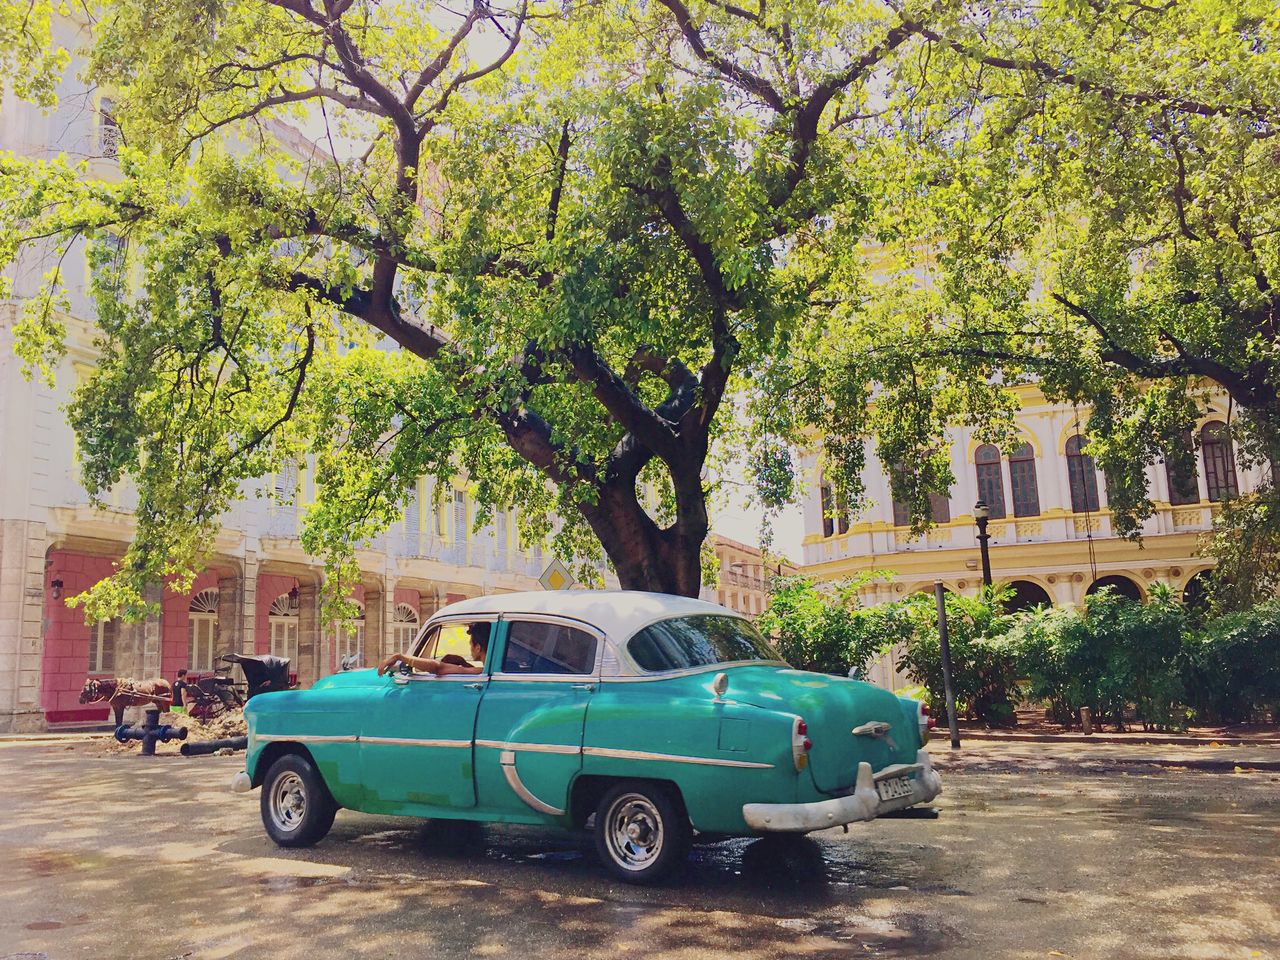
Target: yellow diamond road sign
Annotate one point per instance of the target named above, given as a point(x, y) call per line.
point(556, 576)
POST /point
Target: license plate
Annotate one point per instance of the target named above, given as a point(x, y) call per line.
point(894, 788)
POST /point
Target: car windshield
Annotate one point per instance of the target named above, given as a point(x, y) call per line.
point(701, 641)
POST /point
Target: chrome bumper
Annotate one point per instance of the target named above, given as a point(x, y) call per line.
point(863, 804)
point(241, 783)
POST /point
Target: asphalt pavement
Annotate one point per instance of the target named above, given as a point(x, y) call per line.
point(1035, 852)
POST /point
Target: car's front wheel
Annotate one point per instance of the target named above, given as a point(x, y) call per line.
point(297, 808)
point(642, 832)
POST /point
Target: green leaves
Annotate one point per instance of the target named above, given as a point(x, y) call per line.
point(1090, 197)
point(824, 628)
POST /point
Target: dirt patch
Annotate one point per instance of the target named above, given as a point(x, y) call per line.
point(221, 727)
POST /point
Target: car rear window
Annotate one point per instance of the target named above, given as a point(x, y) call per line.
point(699, 641)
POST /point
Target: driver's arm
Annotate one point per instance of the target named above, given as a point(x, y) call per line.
point(420, 664)
point(447, 668)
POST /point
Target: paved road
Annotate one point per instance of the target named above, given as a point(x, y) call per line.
point(121, 857)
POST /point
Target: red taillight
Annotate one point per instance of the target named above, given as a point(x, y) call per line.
point(802, 728)
point(808, 744)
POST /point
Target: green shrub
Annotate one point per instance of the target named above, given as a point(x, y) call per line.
point(984, 664)
point(1112, 653)
point(1231, 668)
point(826, 630)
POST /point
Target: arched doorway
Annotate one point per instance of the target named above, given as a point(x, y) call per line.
point(1195, 595)
point(1026, 595)
point(283, 623)
point(202, 630)
point(404, 626)
point(1120, 585)
point(349, 637)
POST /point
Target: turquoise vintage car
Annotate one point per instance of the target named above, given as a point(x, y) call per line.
point(657, 715)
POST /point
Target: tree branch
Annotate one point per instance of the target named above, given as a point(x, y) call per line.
point(739, 77)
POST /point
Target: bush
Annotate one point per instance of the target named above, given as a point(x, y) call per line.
point(1113, 653)
point(1231, 668)
point(984, 664)
point(826, 630)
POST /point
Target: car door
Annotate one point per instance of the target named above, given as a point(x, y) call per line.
point(529, 730)
point(417, 742)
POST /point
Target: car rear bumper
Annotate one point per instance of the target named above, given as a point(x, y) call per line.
point(863, 803)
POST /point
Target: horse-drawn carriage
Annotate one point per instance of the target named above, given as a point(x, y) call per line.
point(214, 693)
point(208, 695)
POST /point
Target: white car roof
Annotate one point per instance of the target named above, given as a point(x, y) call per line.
point(617, 613)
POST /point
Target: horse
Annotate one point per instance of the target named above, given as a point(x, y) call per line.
point(121, 692)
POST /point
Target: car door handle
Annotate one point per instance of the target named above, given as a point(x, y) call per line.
point(473, 686)
point(584, 686)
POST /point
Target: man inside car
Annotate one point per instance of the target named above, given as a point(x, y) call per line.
point(478, 633)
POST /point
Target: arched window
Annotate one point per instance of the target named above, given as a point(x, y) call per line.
point(986, 460)
point(1082, 477)
point(404, 626)
point(202, 630)
point(939, 506)
point(1219, 463)
point(1183, 488)
point(349, 636)
point(835, 512)
point(1022, 478)
point(283, 624)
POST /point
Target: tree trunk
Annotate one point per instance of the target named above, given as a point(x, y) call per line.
point(644, 555)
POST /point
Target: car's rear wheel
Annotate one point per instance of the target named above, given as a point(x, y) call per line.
point(297, 808)
point(642, 832)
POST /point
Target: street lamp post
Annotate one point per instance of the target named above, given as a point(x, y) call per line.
point(982, 514)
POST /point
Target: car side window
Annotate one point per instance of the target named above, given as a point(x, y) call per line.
point(427, 648)
point(451, 642)
point(536, 647)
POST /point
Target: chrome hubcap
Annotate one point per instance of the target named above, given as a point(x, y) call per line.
point(288, 802)
point(633, 831)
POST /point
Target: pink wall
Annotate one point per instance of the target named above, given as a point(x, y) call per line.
point(65, 661)
point(175, 643)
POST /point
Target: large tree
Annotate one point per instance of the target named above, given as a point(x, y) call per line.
point(541, 245)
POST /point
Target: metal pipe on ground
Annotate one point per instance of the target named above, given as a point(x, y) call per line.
point(151, 731)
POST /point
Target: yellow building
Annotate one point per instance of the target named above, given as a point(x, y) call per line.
point(1051, 532)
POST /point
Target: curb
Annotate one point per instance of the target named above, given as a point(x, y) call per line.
point(1118, 738)
point(1215, 765)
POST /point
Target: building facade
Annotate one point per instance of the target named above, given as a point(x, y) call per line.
point(745, 576)
point(259, 592)
point(1052, 538)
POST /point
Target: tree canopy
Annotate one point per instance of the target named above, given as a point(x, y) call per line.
point(1091, 190)
point(571, 249)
